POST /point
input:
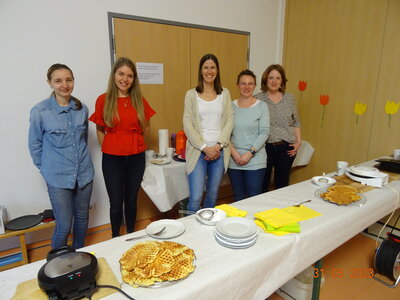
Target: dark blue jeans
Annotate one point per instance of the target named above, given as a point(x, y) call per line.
point(71, 210)
point(122, 176)
point(246, 183)
point(280, 162)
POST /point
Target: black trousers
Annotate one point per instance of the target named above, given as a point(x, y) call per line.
point(122, 176)
point(279, 161)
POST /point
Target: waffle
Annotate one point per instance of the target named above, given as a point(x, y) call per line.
point(147, 253)
point(175, 247)
point(152, 261)
point(341, 195)
point(345, 189)
point(181, 269)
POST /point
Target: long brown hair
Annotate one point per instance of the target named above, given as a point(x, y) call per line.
point(264, 78)
point(217, 82)
point(56, 67)
point(110, 112)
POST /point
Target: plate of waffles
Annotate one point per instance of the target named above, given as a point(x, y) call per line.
point(342, 195)
point(173, 228)
point(156, 264)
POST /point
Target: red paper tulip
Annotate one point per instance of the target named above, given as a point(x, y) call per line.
point(302, 85)
point(324, 99)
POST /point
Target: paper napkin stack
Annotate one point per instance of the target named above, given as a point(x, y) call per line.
point(281, 221)
point(232, 211)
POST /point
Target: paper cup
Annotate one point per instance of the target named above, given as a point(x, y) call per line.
point(170, 152)
point(149, 154)
point(396, 154)
point(341, 167)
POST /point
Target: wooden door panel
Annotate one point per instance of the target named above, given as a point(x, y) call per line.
point(158, 43)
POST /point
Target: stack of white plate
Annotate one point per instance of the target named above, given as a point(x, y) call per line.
point(236, 233)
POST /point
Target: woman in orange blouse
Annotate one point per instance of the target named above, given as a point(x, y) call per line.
point(122, 117)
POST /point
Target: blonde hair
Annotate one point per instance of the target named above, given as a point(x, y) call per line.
point(110, 113)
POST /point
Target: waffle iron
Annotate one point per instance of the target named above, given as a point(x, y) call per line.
point(68, 274)
point(389, 165)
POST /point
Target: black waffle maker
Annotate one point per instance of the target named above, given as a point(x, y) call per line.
point(68, 274)
point(389, 165)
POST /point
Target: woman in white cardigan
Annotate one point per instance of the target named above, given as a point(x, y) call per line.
point(208, 124)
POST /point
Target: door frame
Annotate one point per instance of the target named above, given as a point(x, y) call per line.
point(112, 15)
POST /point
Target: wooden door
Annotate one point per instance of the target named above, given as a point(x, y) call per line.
point(158, 43)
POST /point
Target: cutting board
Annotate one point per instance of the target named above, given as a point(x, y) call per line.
point(30, 289)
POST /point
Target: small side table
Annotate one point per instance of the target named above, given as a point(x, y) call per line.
point(21, 235)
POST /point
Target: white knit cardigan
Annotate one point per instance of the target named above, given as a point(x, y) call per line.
point(192, 128)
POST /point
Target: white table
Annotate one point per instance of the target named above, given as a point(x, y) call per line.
point(253, 273)
point(166, 185)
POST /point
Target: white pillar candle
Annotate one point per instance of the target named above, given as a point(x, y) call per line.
point(163, 141)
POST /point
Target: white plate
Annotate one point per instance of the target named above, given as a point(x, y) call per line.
point(223, 241)
point(219, 214)
point(364, 171)
point(236, 240)
point(160, 161)
point(359, 203)
point(235, 246)
point(173, 228)
point(236, 227)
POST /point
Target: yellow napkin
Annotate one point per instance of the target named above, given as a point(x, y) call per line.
point(232, 211)
point(276, 217)
point(278, 233)
point(302, 212)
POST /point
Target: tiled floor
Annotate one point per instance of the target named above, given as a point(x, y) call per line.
point(346, 272)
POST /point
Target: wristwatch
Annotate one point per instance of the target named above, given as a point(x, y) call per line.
point(222, 145)
point(253, 152)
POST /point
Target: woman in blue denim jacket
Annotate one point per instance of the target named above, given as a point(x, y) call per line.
point(58, 135)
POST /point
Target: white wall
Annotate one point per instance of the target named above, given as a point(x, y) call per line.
point(36, 34)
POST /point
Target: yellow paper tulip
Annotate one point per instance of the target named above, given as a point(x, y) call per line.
point(391, 108)
point(360, 108)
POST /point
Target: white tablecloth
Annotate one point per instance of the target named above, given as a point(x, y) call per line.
point(253, 273)
point(166, 184)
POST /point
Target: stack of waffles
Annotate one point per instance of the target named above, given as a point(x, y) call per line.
point(150, 262)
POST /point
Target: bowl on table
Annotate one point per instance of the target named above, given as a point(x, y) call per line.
point(323, 181)
point(218, 215)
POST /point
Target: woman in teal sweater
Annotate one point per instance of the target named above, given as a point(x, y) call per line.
point(251, 128)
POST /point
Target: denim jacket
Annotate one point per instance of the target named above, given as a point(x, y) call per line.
point(58, 143)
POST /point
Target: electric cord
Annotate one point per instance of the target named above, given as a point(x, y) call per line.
point(395, 223)
point(115, 288)
point(391, 215)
